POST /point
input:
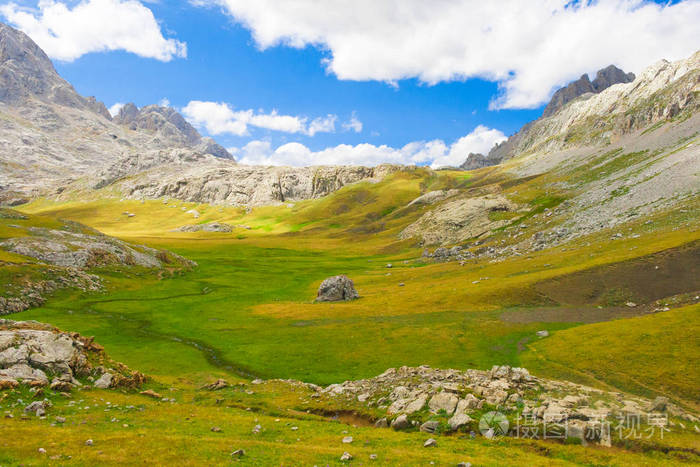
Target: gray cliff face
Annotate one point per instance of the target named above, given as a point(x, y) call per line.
point(26, 72)
point(165, 122)
point(605, 78)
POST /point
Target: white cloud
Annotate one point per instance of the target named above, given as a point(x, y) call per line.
point(322, 125)
point(67, 33)
point(354, 124)
point(435, 153)
point(219, 118)
point(528, 47)
point(164, 102)
point(114, 109)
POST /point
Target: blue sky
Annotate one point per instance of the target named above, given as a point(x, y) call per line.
point(239, 54)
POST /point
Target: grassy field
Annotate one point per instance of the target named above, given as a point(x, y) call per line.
point(247, 311)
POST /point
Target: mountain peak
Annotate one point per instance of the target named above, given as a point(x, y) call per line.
point(605, 78)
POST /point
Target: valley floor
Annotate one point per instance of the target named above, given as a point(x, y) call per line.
point(246, 312)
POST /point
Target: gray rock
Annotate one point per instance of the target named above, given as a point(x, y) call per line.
point(346, 457)
point(430, 426)
point(430, 443)
point(543, 333)
point(659, 404)
point(104, 381)
point(337, 288)
point(443, 401)
point(401, 423)
point(381, 423)
point(459, 420)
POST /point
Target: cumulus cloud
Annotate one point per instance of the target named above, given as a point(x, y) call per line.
point(354, 124)
point(114, 109)
point(219, 118)
point(322, 125)
point(67, 33)
point(527, 47)
point(434, 153)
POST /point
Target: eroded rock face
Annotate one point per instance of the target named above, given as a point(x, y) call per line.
point(39, 355)
point(337, 289)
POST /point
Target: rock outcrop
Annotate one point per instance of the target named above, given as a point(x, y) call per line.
point(207, 227)
point(38, 354)
point(412, 396)
point(605, 78)
point(337, 289)
point(458, 219)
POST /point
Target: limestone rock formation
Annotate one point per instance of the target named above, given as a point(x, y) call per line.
point(458, 219)
point(336, 289)
point(605, 78)
point(510, 390)
point(38, 354)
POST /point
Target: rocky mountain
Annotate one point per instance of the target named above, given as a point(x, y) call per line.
point(53, 141)
point(600, 112)
point(50, 135)
point(605, 78)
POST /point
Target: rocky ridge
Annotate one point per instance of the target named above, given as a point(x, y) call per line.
point(661, 92)
point(206, 179)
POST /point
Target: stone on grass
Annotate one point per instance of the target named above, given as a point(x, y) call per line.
point(104, 381)
point(430, 443)
point(337, 289)
point(430, 426)
point(543, 333)
point(400, 423)
point(347, 440)
point(458, 420)
point(346, 456)
point(238, 453)
point(381, 423)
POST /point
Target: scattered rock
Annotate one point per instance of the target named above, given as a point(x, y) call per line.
point(151, 393)
point(430, 443)
point(401, 423)
point(104, 381)
point(238, 453)
point(216, 429)
point(543, 333)
point(88, 442)
point(347, 440)
point(217, 385)
point(381, 423)
point(431, 426)
point(346, 457)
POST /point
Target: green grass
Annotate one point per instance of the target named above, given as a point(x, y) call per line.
point(247, 311)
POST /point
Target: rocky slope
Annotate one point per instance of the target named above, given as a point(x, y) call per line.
point(47, 259)
point(600, 112)
point(50, 135)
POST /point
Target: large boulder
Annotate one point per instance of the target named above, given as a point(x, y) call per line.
point(337, 289)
